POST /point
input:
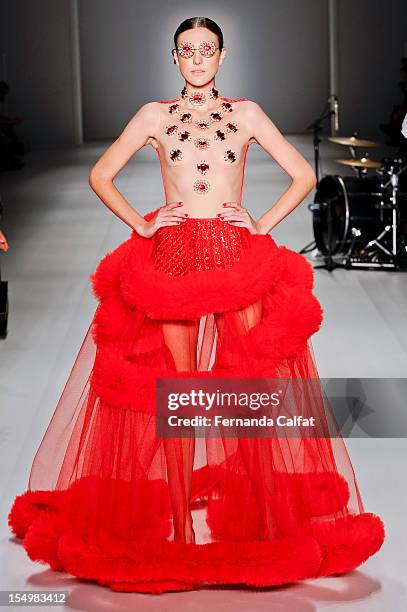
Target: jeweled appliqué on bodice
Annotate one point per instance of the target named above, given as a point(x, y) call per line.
point(208, 144)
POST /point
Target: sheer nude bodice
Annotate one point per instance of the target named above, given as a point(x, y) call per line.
point(202, 164)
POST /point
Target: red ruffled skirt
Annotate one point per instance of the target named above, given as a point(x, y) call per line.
point(109, 500)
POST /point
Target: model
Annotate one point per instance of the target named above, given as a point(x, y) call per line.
point(200, 289)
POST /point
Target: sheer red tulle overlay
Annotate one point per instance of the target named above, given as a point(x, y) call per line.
point(109, 500)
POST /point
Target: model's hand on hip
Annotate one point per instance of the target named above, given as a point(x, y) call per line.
point(167, 215)
point(236, 214)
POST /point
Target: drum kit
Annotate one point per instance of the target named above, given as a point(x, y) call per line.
point(360, 220)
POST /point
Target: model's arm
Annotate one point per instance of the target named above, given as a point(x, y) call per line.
point(303, 176)
point(135, 135)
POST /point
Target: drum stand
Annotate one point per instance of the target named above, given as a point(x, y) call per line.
point(393, 264)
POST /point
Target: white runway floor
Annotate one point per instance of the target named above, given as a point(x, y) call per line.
point(58, 231)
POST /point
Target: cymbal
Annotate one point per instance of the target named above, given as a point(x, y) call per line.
point(363, 162)
point(352, 141)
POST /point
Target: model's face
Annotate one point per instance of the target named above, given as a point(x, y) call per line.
point(198, 55)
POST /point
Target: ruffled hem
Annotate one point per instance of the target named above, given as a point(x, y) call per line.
point(329, 548)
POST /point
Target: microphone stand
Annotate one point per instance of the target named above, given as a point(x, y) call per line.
point(316, 127)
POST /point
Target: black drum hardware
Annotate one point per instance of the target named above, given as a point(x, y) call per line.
point(360, 221)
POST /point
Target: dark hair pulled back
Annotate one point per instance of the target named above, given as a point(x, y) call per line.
point(199, 22)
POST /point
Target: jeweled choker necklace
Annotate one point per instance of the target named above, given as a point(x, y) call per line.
point(198, 98)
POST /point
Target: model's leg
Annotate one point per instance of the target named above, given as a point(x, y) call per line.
point(259, 467)
point(181, 338)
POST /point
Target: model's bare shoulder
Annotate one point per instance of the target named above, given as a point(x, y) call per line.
point(249, 110)
point(145, 123)
point(252, 109)
point(250, 113)
point(150, 114)
point(150, 107)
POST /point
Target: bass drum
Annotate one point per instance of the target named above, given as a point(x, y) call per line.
point(354, 203)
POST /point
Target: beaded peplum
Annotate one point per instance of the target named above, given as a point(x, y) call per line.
point(198, 245)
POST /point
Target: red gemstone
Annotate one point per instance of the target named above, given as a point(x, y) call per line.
point(230, 156)
point(176, 154)
point(203, 167)
point(202, 143)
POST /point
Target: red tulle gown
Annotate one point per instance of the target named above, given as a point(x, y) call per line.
point(108, 500)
